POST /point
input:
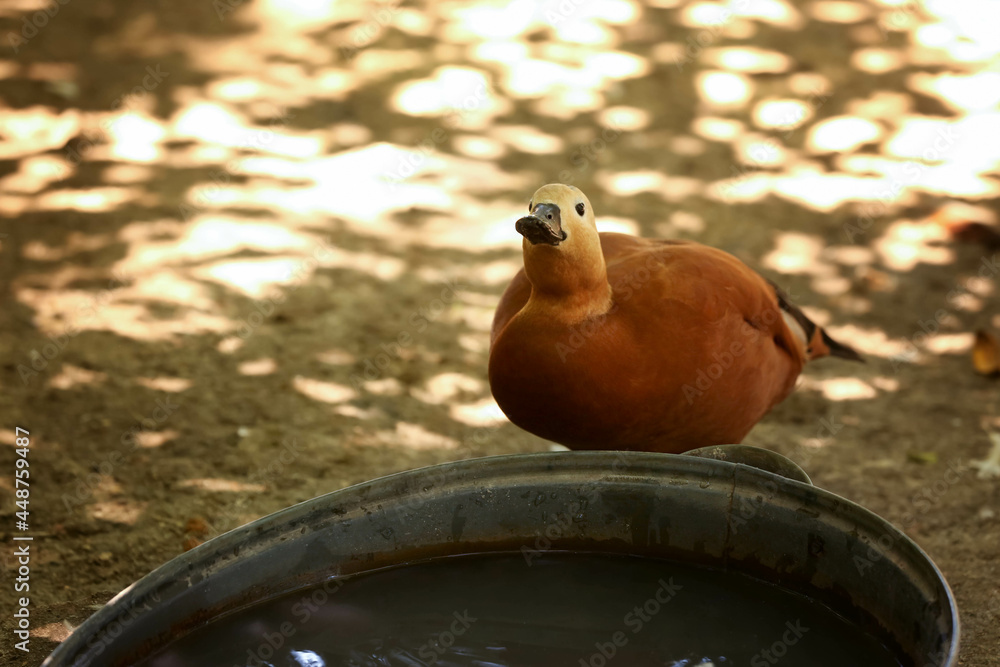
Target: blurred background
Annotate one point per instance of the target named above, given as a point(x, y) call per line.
point(250, 249)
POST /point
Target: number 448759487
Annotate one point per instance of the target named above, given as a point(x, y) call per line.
point(21, 474)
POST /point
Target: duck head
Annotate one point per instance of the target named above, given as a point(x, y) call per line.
point(555, 210)
point(562, 249)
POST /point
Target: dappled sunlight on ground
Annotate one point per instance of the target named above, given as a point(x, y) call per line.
point(223, 172)
point(294, 219)
point(227, 172)
point(840, 389)
point(217, 484)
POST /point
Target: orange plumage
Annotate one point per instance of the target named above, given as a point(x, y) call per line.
point(608, 341)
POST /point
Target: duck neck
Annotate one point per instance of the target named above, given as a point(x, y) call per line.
point(564, 287)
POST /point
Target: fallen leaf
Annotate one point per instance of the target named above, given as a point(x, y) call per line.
point(986, 353)
point(924, 458)
point(977, 232)
point(196, 525)
point(990, 467)
point(190, 543)
point(875, 280)
point(968, 224)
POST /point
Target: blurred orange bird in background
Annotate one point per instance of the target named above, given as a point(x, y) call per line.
point(608, 341)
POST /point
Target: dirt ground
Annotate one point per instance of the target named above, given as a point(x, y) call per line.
point(220, 219)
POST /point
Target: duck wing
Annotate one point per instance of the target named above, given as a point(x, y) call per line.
point(818, 343)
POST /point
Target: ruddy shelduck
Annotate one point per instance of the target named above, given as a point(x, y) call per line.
point(608, 341)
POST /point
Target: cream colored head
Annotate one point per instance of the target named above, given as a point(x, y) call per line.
point(562, 250)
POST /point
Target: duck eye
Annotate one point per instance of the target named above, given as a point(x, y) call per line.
point(580, 208)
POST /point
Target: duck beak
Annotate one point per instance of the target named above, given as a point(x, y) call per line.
point(544, 225)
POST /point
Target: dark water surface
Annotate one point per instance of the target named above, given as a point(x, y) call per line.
point(576, 610)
